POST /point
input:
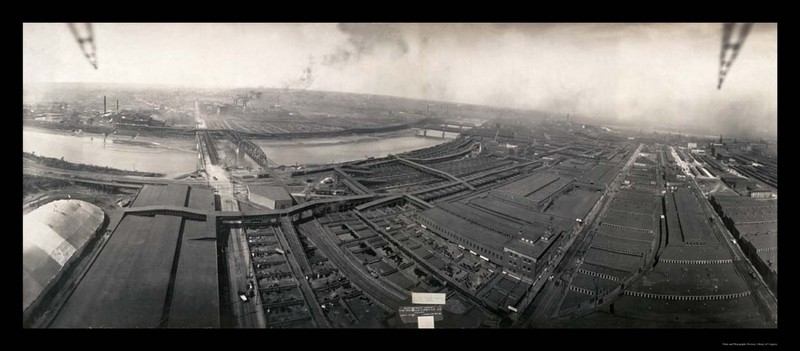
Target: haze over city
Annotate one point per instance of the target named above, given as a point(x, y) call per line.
point(650, 74)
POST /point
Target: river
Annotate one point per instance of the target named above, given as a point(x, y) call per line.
point(170, 156)
point(330, 150)
point(174, 156)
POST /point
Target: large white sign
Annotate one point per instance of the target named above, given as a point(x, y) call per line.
point(425, 322)
point(428, 298)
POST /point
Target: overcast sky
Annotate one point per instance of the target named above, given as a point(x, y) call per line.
point(644, 72)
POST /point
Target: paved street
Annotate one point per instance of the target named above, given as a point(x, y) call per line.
point(546, 302)
point(246, 314)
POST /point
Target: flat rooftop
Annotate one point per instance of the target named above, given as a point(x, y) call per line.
point(745, 210)
point(127, 284)
point(504, 208)
point(529, 184)
point(138, 282)
point(201, 199)
point(474, 223)
point(746, 218)
point(741, 201)
point(769, 227)
point(173, 195)
point(549, 189)
point(762, 241)
point(271, 192)
point(534, 250)
point(693, 223)
point(195, 297)
point(466, 229)
point(674, 252)
point(599, 175)
point(506, 226)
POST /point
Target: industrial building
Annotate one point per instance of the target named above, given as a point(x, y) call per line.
point(508, 231)
point(598, 177)
point(137, 119)
point(537, 190)
point(273, 197)
point(754, 224)
point(157, 269)
point(53, 236)
point(685, 222)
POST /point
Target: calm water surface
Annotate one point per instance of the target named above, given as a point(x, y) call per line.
point(173, 157)
point(329, 150)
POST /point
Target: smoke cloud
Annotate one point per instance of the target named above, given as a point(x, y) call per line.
point(365, 39)
point(657, 74)
point(305, 80)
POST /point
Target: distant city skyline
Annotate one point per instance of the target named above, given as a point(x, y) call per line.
point(647, 73)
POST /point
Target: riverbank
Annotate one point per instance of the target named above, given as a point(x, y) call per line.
point(333, 150)
point(178, 156)
point(70, 166)
point(302, 142)
point(170, 156)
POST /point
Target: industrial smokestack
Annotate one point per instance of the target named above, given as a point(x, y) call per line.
point(104, 104)
point(117, 105)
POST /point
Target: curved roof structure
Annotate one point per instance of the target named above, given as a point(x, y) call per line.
point(51, 234)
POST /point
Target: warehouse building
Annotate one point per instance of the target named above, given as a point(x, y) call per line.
point(273, 197)
point(511, 235)
point(539, 190)
point(157, 269)
point(754, 224)
point(53, 236)
point(599, 177)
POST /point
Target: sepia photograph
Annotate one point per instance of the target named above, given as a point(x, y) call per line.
point(400, 176)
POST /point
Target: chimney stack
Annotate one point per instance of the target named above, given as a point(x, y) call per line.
point(117, 105)
point(104, 104)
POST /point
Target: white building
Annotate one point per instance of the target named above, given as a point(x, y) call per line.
point(273, 197)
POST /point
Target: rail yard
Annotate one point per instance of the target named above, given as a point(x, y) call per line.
point(516, 223)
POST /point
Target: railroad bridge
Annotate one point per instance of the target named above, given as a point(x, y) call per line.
point(239, 218)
